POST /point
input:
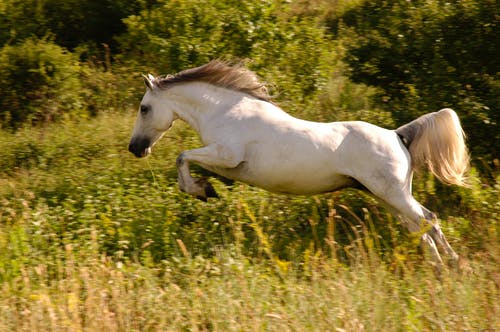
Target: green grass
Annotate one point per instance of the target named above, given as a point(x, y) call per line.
point(93, 239)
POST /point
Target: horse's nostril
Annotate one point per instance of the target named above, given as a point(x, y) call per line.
point(134, 148)
point(138, 146)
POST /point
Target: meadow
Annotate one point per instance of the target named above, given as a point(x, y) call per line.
point(93, 239)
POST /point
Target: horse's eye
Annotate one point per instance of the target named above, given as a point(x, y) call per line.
point(145, 109)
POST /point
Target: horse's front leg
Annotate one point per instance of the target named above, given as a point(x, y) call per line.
point(214, 155)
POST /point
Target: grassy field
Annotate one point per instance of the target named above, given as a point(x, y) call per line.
point(92, 239)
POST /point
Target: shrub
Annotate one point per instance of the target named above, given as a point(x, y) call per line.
point(426, 55)
point(40, 82)
point(178, 34)
point(292, 53)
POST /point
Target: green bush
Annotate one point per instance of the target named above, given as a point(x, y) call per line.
point(40, 82)
point(21, 20)
point(427, 55)
point(175, 35)
point(110, 88)
point(71, 22)
point(295, 55)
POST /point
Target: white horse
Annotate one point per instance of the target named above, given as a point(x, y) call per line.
point(248, 138)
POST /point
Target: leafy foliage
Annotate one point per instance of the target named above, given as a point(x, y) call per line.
point(21, 20)
point(177, 34)
point(292, 53)
point(72, 23)
point(40, 82)
point(426, 55)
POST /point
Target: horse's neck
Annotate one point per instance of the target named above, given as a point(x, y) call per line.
point(197, 101)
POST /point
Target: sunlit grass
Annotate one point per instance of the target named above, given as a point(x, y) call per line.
point(233, 293)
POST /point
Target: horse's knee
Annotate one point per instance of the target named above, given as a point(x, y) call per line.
point(180, 160)
point(429, 215)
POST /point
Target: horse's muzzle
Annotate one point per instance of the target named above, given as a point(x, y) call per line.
point(140, 146)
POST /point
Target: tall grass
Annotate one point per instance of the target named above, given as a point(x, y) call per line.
point(93, 239)
point(230, 292)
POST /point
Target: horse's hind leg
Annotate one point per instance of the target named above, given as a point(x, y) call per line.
point(419, 217)
point(415, 220)
point(398, 196)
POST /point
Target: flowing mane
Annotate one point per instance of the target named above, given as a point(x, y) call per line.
point(222, 74)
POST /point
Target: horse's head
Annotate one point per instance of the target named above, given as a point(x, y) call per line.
point(155, 117)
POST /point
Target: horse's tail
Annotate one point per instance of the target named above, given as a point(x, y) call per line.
point(438, 141)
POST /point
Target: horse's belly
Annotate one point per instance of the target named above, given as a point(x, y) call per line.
point(299, 187)
point(306, 185)
point(301, 181)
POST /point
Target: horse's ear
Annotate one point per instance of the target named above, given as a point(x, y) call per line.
point(148, 81)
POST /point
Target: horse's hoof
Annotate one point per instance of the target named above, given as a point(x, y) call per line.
point(454, 262)
point(201, 198)
point(208, 190)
